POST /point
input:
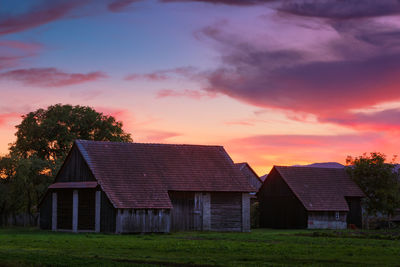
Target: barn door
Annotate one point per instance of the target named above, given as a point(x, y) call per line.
point(86, 209)
point(64, 209)
point(182, 212)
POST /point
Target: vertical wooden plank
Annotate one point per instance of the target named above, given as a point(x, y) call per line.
point(75, 211)
point(118, 226)
point(97, 211)
point(206, 212)
point(54, 212)
point(245, 212)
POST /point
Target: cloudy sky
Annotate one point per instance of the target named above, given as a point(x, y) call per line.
point(274, 82)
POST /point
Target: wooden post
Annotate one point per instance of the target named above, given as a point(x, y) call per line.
point(118, 222)
point(54, 212)
point(75, 211)
point(245, 212)
point(97, 212)
point(206, 212)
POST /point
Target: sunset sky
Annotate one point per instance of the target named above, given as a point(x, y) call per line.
point(274, 82)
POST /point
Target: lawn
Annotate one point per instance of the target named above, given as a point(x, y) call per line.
point(261, 247)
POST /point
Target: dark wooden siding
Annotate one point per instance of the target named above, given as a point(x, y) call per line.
point(226, 211)
point(279, 207)
point(184, 217)
point(86, 209)
point(64, 209)
point(354, 216)
point(145, 220)
point(107, 215)
point(75, 168)
point(46, 209)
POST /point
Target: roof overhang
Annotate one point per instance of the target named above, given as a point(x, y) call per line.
point(73, 185)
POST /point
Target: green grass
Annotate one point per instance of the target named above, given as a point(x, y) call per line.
point(261, 247)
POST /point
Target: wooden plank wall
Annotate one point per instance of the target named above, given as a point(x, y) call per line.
point(64, 209)
point(226, 211)
point(279, 207)
point(184, 215)
point(86, 209)
point(75, 169)
point(145, 220)
point(107, 215)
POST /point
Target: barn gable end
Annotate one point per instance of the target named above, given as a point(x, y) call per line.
point(309, 197)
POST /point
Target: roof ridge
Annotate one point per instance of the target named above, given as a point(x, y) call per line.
point(142, 143)
point(309, 167)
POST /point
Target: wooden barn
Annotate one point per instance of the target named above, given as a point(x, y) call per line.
point(134, 187)
point(307, 197)
point(251, 175)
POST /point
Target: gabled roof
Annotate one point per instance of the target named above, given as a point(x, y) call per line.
point(244, 165)
point(320, 189)
point(136, 175)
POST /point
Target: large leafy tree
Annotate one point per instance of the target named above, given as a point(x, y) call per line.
point(44, 138)
point(379, 180)
point(49, 133)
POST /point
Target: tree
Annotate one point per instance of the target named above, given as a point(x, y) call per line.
point(44, 138)
point(379, 182)
point(49, 134)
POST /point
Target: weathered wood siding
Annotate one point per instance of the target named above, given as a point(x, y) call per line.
point(327, 220)
point(186, 214)
point(107, 215)
point(279, 207)
point(86, 209)
point(226, 211)
point(64, 209)
point(46, 212)
point(75, 168)
point(253, 179)
point(354, 215)
point(143, 221)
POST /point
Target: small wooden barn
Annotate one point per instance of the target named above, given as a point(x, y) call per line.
point(307, 197)
point(251, 175)
point(134, 187)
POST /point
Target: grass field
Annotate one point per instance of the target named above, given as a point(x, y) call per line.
point(261, 247)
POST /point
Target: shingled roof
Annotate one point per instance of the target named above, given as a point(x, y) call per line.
point(136, 175)
point(320, 189)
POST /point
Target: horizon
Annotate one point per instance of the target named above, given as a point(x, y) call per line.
point(273, 82)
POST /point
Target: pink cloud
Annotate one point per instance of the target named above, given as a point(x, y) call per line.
point(184, 93)
point(119, 114)
point(47, 12)
point(156, 136)
point(225, 2)
point(160, 75)
point(6, 117)
point(363, 71)
point(386, 120)
point(120, 5)
point(50, 77)
point(240, 123)
point(13, 52)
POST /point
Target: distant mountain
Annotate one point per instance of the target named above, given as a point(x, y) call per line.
point(323, 165)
